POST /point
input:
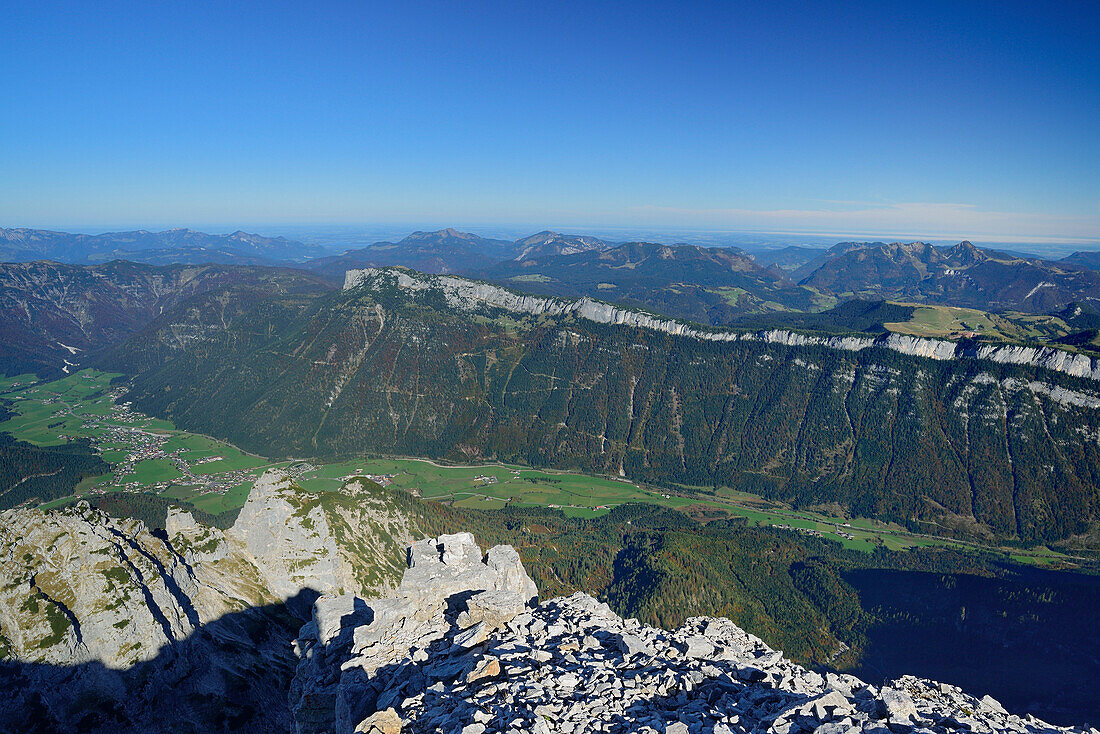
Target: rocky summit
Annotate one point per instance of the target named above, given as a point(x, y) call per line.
point(464, 647)
point(293, 620)
point(108, 625)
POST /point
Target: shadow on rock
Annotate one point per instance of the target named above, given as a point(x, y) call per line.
point(230, 675)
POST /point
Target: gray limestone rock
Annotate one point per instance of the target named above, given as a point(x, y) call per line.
point(698, 647)
point(289, 539)
point(179, 521)
point(897, 705)
point(633, 645)
point(473, 636)
point(496, 608)
point(572, 665)
point(91, 603)
point(380, 722)
point(448, 579)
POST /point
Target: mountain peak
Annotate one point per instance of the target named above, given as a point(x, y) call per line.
point(538, 238)
point(449, 232)
point(967, 246)
point(966, 253)
point(549, 243)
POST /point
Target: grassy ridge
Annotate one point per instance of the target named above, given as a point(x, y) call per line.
point(951, 322)
point(492, 486)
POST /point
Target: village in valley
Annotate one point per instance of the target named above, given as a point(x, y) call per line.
point(145, 454)
point(121, 430)
point(814, 532)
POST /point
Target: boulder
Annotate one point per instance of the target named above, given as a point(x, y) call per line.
point(495, 608)
point(380, 722)
point(633, 645)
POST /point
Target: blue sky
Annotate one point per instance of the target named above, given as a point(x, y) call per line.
point(931, 119)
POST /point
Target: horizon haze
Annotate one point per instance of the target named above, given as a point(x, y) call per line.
point(977, 121)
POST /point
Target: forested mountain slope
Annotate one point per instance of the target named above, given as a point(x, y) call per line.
point(962, 446)
point(28, 471)
point(52, 314)
point(711, 285)
point(961, 275)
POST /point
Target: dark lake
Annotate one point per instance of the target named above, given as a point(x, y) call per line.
point(1030, 639)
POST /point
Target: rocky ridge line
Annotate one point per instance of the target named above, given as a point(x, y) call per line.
point(82, 586)
point(463, 649)
point(468, 295)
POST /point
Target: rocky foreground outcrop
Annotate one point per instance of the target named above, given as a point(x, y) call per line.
point(80, 585)
point(464, 648)
point(108, 625)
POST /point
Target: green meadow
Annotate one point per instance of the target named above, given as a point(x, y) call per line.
point(45, 413)
point(492, 486)
point(82, 405)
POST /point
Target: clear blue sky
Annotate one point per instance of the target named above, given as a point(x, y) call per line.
point(974, 118)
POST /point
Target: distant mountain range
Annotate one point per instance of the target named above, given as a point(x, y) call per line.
point(1085, 259)
point(787, 259)
point(718, 285)
point(183, 246)
point(550, 244)
point(445, 251)
point(712, 285)
point(962, 275)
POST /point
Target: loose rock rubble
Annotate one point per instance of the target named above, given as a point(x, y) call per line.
point(356, 659)
point(464, 648)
